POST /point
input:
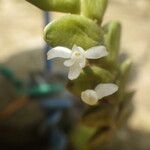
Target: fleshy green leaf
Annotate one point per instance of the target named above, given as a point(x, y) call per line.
point(125, 109)
point(71, 6)
point(112, 40)
point(94, 9)
point(73, 29)
point(81, 135)
point(100, 116)
point(103, 135)
point(125, 68)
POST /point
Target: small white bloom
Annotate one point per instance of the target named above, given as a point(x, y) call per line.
point(76, 57)
point(91, 97)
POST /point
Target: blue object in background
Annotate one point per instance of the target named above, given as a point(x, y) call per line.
point(56, 103)
point(48, 63)
point(58, 140)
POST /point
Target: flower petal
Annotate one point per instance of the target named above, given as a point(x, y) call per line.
point(75, 47)
point(69, 62)
point(59, 52)
point(78, 48)
point(82, 62)
point(89, 97)
point(96, 52)
point(74, 71)
point(103, 90)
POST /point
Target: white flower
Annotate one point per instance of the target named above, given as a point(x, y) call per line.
point(91, 97)
point(76, 57)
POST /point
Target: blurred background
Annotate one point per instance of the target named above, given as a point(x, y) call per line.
point(22, 44)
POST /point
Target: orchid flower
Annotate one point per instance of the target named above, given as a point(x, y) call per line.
point(91, 97)
point(76, 57)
